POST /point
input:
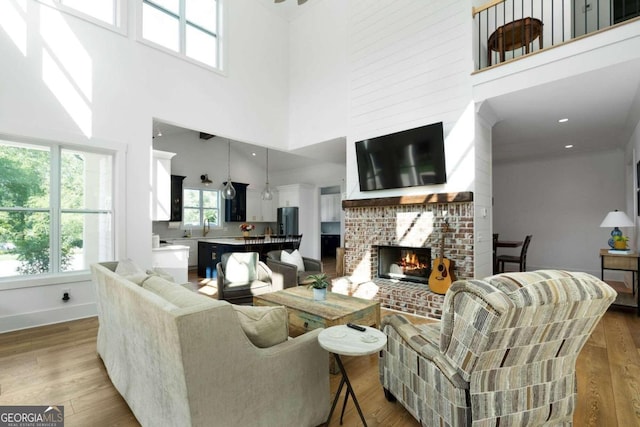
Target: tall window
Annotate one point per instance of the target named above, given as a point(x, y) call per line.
point(187, 27)
point(200, 204)
point(105, 11)
point(56, 209)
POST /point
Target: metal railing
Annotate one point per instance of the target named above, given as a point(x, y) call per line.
point(508, 29)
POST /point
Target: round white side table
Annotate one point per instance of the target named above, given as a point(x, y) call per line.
point(345, 341)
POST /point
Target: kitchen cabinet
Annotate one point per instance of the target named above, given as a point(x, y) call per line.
point(330, 207)
point(259, 210)
point(235, 210)
point(328, 244)
point(192, 244)
point(176, 197)
point(254, 210)
point(208, 259)
point(268, 209)
point(161, 185)
point(288, 195)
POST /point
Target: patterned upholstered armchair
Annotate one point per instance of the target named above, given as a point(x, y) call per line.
point(504, 353)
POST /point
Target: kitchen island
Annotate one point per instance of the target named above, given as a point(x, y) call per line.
point(210, 250)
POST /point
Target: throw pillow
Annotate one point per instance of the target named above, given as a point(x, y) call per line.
point(130, 271)
point(162, 273)
point(264, 272)
point(173, 293)
point(241, 267)
point(264, 326)
point(294, 258)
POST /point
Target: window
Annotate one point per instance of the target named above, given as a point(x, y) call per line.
point(56, 209)
point(200, 204)
point(104, 11)
point(187, 27)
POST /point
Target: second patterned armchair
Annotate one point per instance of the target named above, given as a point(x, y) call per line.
point(504, 353)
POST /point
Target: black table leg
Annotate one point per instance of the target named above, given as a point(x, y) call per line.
point(345, 380)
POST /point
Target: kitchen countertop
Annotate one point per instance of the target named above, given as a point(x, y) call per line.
point(234, 240)
point(165, 247)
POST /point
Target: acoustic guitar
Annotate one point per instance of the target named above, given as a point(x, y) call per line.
point(442, 275)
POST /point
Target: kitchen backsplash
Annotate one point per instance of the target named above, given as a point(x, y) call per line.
point(330, 228)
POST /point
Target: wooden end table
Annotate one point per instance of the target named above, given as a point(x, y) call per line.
point(623, 262)
point(342, 340)
point(514, 35)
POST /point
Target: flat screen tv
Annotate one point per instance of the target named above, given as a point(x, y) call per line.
point(408, 158)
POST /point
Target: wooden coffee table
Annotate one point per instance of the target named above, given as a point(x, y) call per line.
point(306, 314)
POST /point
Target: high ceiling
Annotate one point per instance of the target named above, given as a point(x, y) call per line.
point(596, 103)
point(331, 151)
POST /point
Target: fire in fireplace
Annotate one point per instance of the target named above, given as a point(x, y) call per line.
point(404, 263)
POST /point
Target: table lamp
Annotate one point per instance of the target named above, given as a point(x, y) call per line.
point(617, 219)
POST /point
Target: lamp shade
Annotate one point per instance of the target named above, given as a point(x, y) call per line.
point(616, 219)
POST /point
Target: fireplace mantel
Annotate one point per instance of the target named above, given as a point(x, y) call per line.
point(462, 196)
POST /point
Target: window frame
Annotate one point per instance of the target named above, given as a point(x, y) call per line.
point(201, 208)
point(119, 14)
point(56, 211)
point(183, 24)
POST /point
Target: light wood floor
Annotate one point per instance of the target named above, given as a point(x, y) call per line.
point(57, 364)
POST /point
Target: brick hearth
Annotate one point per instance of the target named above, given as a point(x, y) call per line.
point(409, 221)
point(409, 297)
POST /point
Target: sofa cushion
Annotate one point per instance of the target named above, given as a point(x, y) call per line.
point(293, 258)
point(130, 271)
point(264, 326)
point(173, 293)
point(241, 267)
point(162, 273)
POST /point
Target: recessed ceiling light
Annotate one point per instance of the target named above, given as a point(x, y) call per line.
point(253, 154)
point(563, 120)
point(568, 146)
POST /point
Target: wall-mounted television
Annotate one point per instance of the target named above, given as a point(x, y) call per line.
point(408, 158)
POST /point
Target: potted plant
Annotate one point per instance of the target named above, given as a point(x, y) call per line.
point(246, 228)
point(319, 283)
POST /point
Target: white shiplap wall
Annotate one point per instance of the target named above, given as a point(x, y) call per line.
point(409, 65)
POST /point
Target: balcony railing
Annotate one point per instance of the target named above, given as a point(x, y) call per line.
point(508, 29)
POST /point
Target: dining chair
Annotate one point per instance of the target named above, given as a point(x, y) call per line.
point(521, 260)
point(495, 253)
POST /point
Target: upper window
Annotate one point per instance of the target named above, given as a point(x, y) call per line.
point(200, 205)
point(187, 27)
point(102, 11)
point(56, 209)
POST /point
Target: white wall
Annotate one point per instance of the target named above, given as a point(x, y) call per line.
point(70, 81)
point(401, 78)
point(482, 198)
point(318, 73)
point(561, 201)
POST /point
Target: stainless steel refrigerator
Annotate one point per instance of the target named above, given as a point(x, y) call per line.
point(288, 221)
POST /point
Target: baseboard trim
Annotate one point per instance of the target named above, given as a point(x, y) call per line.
point(47, 317)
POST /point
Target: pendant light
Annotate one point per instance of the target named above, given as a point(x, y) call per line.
point(266, 193)
point(228, 192)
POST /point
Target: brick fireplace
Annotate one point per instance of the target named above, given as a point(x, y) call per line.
point(410, 221)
